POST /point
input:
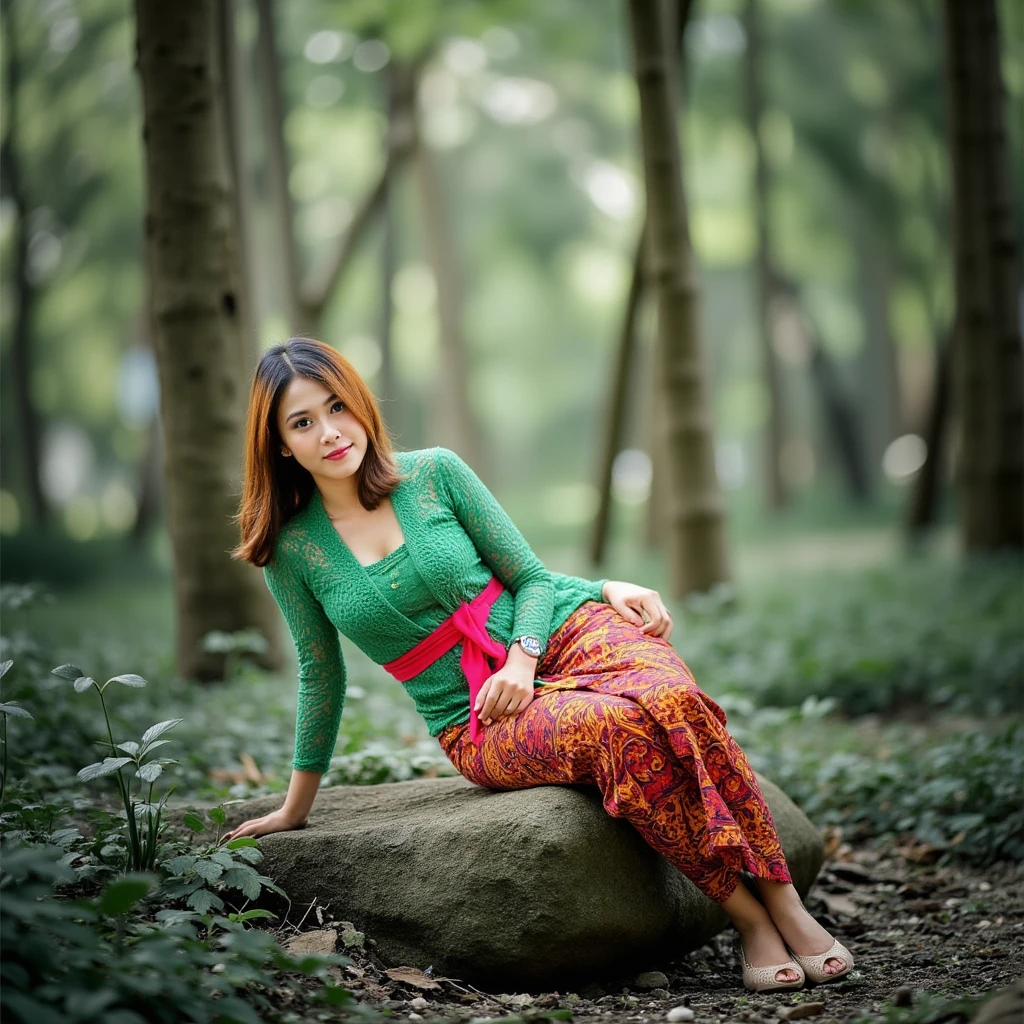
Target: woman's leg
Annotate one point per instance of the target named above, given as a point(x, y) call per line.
point(598, 650)
point(581, 736)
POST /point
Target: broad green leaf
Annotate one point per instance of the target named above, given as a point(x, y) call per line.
point(104, 767)
point(12, 708)
point(82, 683)
point(223, 858)
point(4, 668)
point(161, 727)
point(179, 865)
point(150, 772)
point(128, 679)
point(69, 672)
point(194, 822)
point(129, 747)
point(122, 895)
point(217, 814)
point(203, 900)
point(237, 844)
point(243, 877)
point(208, 870)
point(251, 854)
point(252, 915)
point(146, 748)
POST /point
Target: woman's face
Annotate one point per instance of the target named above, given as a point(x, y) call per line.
point(313, 423)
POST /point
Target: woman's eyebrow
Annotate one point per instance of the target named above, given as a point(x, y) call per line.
point(304, 412)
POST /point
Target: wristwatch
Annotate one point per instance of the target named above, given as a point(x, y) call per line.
point(530, 644)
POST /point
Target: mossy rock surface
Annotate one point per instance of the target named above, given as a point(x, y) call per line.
point(513, 890)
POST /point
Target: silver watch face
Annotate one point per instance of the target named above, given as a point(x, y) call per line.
point(531, 645)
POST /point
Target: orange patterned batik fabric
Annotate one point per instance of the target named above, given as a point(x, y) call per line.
point(620, 710)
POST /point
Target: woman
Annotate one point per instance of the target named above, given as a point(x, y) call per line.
point(525, 676)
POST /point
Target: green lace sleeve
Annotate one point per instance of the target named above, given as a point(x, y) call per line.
point(322, 675)
point(502, 547)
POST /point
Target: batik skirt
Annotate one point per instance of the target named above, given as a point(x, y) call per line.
point(620, 710)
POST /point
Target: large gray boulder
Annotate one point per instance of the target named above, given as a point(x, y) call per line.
point(508, 890)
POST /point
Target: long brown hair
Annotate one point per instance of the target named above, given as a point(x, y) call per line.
point(275, 487)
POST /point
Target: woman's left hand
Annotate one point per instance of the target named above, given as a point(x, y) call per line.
point(633, 603)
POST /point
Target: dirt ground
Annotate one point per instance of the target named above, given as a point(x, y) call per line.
point(951, 931)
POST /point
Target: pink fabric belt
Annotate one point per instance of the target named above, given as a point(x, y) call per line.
point(467, 623)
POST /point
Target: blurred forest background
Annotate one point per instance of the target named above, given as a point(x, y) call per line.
point(453, 195)
point(511, 236)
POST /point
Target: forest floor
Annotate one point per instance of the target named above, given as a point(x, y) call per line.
point(919, 933)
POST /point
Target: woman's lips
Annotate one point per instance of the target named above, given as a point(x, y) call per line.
point(335, 456)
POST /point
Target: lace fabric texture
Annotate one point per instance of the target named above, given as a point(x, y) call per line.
point(456, 536)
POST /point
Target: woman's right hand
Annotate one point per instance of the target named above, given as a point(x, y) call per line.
point(276, 821)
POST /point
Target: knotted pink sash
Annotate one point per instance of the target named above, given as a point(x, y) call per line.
point(467, 623)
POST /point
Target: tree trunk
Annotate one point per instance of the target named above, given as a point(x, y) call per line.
point(272, 111)
point(615, 418)
point(698, 554)
point(29, 423)
point(921, 509)
point(192, 254)
point(450, 413)
point(775, 487)
point(236, 92)
point(987, 370)
point(838, 412)
point(879, 365)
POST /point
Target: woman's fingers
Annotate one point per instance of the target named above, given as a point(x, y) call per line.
point(660, 623)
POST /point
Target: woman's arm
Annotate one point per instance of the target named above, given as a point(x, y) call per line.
point(321, 693)
point(502, 547)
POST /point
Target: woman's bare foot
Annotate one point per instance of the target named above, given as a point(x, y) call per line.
point(762, 944)
point(802, 934)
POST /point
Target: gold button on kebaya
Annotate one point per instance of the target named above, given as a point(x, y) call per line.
point(393, 586)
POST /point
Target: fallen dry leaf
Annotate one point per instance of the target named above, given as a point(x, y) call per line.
point(412, 976)
point(319, 942)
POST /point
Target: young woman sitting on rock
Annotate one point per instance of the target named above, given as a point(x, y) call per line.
point(526, 677)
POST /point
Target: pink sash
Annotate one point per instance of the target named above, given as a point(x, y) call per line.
point(467, 623)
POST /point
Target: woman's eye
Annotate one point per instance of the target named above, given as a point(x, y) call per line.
point(336, 405)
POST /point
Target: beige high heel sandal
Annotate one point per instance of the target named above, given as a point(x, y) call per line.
point(814, 965)
point(762, 979)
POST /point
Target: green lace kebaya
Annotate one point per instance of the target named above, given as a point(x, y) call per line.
point(456, 536)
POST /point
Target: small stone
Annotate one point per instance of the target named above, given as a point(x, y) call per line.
point(902, 997)
point(679, 1013)
point(319, 942)
point(419, 1003)
point(800, 1011)
point(660, 993)
point(415, 1016)
point(649, 980)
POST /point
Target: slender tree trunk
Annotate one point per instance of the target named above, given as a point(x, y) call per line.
point(987, 358)
point(272, 111)
point(615, 418)
point(775, 487)
point(29, 423)
point(879, 365)
point(677, 17)
point(921, 510)
point(236, 116)
point(838, 412)
point(450, 412)
point(193, 257)
point(698, 553)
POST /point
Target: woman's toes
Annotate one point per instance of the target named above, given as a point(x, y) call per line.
point(787, 974)
point(835, 963)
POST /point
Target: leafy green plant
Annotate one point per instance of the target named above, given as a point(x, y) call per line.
point(199, 876)
point(8, 709)
point(142, 845)
point(98, 958)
